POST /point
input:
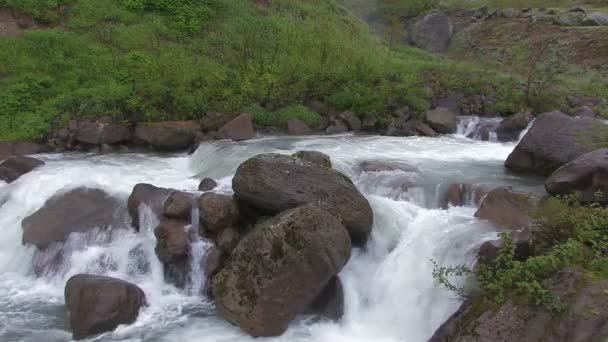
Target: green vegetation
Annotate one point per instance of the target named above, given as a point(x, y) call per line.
point(567, 233)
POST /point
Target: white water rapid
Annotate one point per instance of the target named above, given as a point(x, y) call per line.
point(389, 289)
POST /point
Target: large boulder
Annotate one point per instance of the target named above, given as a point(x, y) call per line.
point(15, 167)
point(585, 317)
point(314, 157)
point(279, 268)
point(173, 250)
point(149, 196)
point(433, 32)
point(507, 209)
point(554, 140)
point(239, 129)
point(78, 210)
point(168, 135)
point(442, 120)
point(272, 183)
point(586, 176)
point(510, 128)
point(103, 131)
point(99, 304)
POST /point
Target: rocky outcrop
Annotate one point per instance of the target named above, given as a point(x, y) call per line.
point(207, 184)
point(442, 120)
point(506, 209)
point(554, 140)
point(298, 127)
point(15, 167)
point(98, 304)
point(586, 176)
point(272, 183)
point(585, 317)
point(173, 251)
point(149, 196)
point(167, 135)
point(213, 121)
point(433, 32)
point(279, 268)
point(239, 129)
point(510, 128)
point(78, 210)
point(314, 157)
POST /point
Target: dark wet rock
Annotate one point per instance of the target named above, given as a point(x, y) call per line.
point(103, 131)
point(78, 210)
point(507, 209)
point(228, 239)
point(586, 176)
point(238, 129)
point(351, 119)
point(329, 304)
point(442, 120)
point(16, 167)
point(585, 317)
point(173, 250)
point(298, 127)
point(554, 140)
point(433, 32)
point(510, 128)
point(314, 157)
point(98, 304)
point(386, 166)
point(147, 195)
point(215, 259)
point(272, 183)
point(460, 194)
point(167, 135)
point(179, 206)
point(336, 127)
point(577, 9)
point(279, 268)
point(217, 212)
point(207, 184)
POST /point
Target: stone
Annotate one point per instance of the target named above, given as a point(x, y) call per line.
point(149, 196)
point(584, 111)
point(386, 166)
point(507, 209)
point(442, 120)
point(217, 212)
point(461, 194)
point(353, 122)
point(369, 122)
point(179, 206)
point(103, 131)
point(586, 176)
point(510, 127)
point(16, 167)
point(337, 127)
point(554, 140)
point(168, 135)
point(215, 259)
point(298, 127)
point(314, 157)
point(272, 183)
point(433, 32)
point(76, 211)
point(279, 268)
point(228, 239)
point(173, 250)
point(239, 129)
point(207, 184)
point(329, 304)
point(99, 304)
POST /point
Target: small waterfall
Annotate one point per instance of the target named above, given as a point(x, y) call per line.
point(477, 128)
point(526, 130)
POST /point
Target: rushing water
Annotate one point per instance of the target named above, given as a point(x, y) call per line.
point(389, 290)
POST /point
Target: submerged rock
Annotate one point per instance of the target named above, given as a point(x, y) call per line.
point(315, 157)
point(272, 183)
point(386, 166)
point(15, 167)
point(98, 304)
point(78, 210)
point(168, 135)
point(279, 268)
point(586, 176)
point(508, 210)
point(554, 140)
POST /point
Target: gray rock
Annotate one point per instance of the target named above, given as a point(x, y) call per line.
point(207, 184)
point(353, 122)
point(442, 120)
point(506, 209)
point(16, 167)
point(433, 32)
point(168, 135)
point(147, 195)
point(298, 127)
point(584, 111)
point(239, 129)
point(596, 19)
point(173, 251)
point(510, 128)
point(315, 157)
point(337, 127)
point(103, 131)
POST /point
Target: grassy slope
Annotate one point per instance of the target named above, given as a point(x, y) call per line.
point(176, 59)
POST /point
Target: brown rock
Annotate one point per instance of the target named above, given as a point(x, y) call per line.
point(217, 212)
point(213, 121)
point(459, 194)
point(173, 250)
point(239, 129)
point(298, 127)
point(228, 239)
point(149, 196)
point(168, 135)
point(351, 119)
point(442, 120)
point(15, 167)
point(329, 304)
point(179, 206)
point(315, 157)
point(103, 131)
point(207, 184)
point(507, 209)
point(510, 128)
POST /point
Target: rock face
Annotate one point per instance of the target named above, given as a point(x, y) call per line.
point(173, 250)
point(149, 196)
point(433, 32)
point(78, 210)
point(510, 128)
point(297, 127)
point(314, 157)
point(272, 183)
point(15, 167)
point(585, 318)
point(168, 135)
point(507, 209)
point(103, 132)
point(442, 120)
point(239, 129)
point(554, 140)
point(279, 268)
point(586, 176)
point(99, 304)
